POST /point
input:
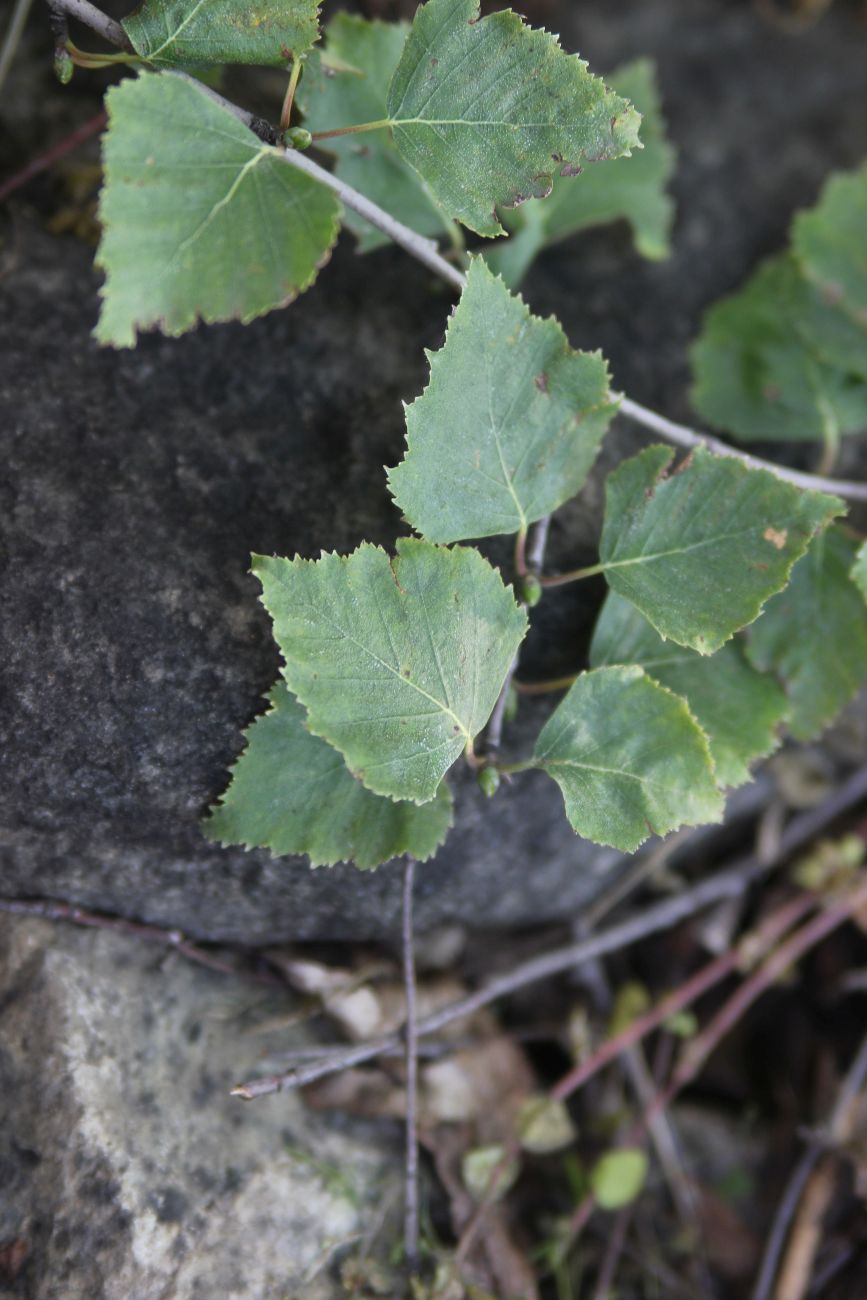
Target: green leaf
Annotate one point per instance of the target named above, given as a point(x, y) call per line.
point(173, 33)
point(830, 241)
point(700, 551)
point(486, 110)
point(618, 1177)
point(859, 570)
point(756, 373)
point(835, 335)
point(629, 757)
point(631, 189)
point(738, 708)
point(346, 87)
point(544, 1125)
point(814, 635)
point(200, 219)
point(509, 425)
point(292, 793)
point(398, 662)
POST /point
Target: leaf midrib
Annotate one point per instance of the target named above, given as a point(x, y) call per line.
point(406, 681)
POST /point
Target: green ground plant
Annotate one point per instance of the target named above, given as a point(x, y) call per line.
point(736, 597)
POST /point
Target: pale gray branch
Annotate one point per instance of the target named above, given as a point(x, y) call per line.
point(95, 19)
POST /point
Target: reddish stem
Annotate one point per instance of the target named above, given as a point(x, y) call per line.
point(57, 151)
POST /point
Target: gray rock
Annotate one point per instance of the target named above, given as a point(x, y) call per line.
point(127, 1171)
point(137, 484)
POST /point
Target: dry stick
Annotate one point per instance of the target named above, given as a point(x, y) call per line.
point(694, 1057)
point(13, 36)
point(410, 1230)
point(768, 933)
point(530, 556)
point(53, 911)
point(730, 883)
point(616, 1242)
point(791, 1198)
point(57, 151)
point(786, 955)
point(427, 252)
point(96, 20)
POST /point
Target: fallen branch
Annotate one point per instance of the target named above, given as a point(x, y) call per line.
point(410, 1221)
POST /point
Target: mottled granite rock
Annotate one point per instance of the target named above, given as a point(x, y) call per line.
point(127, 1172)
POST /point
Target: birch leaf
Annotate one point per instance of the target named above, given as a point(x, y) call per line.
point(487, 110)
point(629, 757)
point(756, 372)
point(631, 189)
point(701, 550)
point(814, 635)
point(509, 425)
point(738, 708)
point(201, 220)
point(859, 570)
point(177, 33)
point(292, 793)
point(757, 375)
point(346, 87)
point(830, 242)
point(398, 662)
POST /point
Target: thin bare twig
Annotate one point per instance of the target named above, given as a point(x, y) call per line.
point(174, 939)
point(410, 1228)
point(96, 20)
point(791, 1198)
point(663, 916)
point(532, 556)
point(791, 951)
point(686, 994)
point(683, 436)
point(13, 36)
point(52, 155)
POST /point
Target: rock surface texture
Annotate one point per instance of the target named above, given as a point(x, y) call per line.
point(136, 484)
point(127, 1171)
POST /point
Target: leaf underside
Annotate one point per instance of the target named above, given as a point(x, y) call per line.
point(859, 570)
point(631, 189)
point(700, 551)
point(200, 219)
point(829, 241)
point(347, 87)
point(758, 373)
point(814, 635)
point(738, 708)
point(509, 425)
point(399, 663)
point(629, 757)
point(488, 110)
point(292, 793)
point(177, 33)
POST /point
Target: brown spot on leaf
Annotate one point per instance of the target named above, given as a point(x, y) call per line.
point(776, 536)
point(771, 393)
point(541, 382)
point(684, 464)
point(571, 169)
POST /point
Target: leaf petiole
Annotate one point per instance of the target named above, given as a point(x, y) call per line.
point(353, 130)
point(574, 575)
point(289, 98)
point(546, 687)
